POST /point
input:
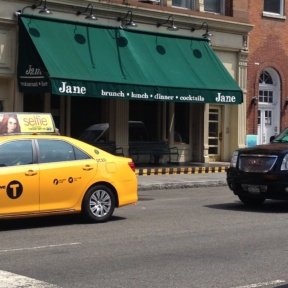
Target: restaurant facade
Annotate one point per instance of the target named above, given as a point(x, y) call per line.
point(181, 73)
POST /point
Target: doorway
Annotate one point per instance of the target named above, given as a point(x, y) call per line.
point(268, 119)
point(214, 133)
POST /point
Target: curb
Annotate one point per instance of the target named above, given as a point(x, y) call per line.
point(182, 185)
point(179, 170)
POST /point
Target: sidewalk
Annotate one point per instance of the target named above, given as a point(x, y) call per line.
point(168, 181)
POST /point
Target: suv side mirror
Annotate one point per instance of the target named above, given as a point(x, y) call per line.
point(272, 138)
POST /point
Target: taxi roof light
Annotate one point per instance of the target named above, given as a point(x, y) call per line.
point(27, 123)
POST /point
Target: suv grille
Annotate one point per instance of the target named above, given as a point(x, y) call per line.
point(256, 163)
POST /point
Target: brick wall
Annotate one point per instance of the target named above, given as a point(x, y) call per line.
point(268, 47)
point(229, 8)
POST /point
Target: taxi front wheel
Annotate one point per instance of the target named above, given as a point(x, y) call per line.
point(98, 203)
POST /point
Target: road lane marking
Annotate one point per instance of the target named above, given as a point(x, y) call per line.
point(11, 280)
point(39, 247)
point(262, 284)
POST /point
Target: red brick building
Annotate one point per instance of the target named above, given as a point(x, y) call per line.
point(267, 86)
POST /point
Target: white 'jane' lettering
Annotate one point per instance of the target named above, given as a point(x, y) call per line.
point(68, 89)
point(225, 98)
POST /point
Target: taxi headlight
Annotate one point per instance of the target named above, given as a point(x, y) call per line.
point(284, 165)
point(234, 159)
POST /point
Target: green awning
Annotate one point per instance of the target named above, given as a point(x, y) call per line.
point(76, 59)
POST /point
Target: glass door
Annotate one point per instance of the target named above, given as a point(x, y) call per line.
point(214, 134)
point(265, 125)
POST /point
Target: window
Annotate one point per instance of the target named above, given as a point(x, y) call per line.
point(265, 88)
point(58, 151)
point(213, 137)
point(181, 133)
point(265, 78)
point(265, 96)
point(16, 153)
point(189, 4)
point(79, 155)
point(138, 131)
point(273, 8)
point(215, 6)
point(267, 117)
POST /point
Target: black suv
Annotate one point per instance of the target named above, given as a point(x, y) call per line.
point(261, 172)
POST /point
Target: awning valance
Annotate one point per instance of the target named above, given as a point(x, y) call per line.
point(76, 59)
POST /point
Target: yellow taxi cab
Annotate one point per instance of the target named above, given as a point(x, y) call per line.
point(42, 173)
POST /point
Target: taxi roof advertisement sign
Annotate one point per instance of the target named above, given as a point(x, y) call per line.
point(26, 123)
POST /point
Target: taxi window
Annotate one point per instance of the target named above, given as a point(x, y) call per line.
point(58, 151)
point(80, 155)
point(16, 153)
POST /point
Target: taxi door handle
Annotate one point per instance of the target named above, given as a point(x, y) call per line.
point(30, 173)
point(87, 168)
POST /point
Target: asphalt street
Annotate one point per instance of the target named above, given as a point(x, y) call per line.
point(173, 238)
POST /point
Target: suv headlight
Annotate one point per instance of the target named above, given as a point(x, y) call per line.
point(284, 165)
point(234, 159)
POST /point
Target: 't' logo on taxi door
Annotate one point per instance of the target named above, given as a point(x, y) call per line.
point(14, 189)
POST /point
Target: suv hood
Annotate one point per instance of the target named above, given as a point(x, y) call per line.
point(272, 148)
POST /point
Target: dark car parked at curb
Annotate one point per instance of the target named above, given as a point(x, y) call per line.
point(260, 172)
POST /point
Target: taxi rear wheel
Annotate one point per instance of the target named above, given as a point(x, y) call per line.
point(98, 203)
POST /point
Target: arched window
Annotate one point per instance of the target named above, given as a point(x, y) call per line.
point(265, 78)
point(265, 90)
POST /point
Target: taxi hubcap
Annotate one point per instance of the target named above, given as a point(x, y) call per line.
point(100, 203)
